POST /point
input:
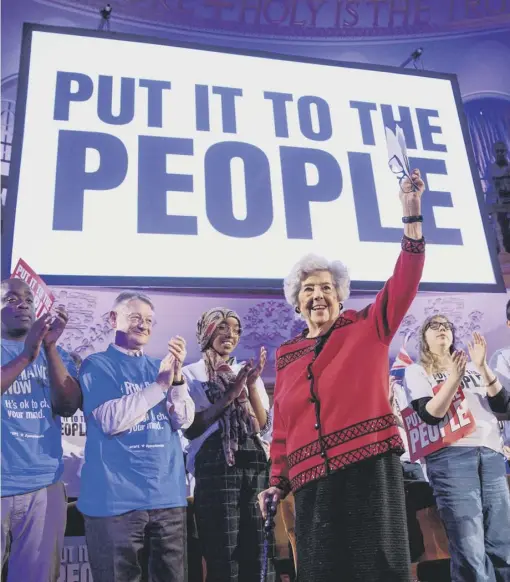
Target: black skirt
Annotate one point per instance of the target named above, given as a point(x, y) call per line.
point(351, 525)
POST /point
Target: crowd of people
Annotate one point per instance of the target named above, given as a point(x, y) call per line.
point(331, 437)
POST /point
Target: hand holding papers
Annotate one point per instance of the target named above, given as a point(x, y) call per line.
point(398, 161)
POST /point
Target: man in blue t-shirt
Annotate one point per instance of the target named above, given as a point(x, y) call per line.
point(38, 387)
point(133, 485)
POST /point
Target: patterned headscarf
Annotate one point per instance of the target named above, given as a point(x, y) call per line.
point(238, 420)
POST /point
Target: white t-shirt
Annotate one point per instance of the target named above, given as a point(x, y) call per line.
point(419, 384)
point(196, 377)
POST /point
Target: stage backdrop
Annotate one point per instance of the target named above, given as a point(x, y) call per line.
point(465, 37)
point(185, 153)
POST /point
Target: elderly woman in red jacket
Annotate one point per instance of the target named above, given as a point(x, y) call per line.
point(336, 443)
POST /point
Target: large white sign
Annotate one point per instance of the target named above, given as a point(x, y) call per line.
point(147, 163)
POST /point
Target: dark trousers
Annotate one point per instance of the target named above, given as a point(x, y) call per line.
point(229, 522)
point(413, 473)
point(105, 23)
point(195, 569)
point(123, 547)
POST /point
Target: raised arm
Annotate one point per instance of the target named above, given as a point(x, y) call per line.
point(411, 205)
point(395, 298)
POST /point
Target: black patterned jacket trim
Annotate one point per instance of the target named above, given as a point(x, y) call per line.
point(294, 340)
point(393, 443)
point(346, 319)
point(415, 247)
point(282, 483)
point(286, 359)
point(341, 436)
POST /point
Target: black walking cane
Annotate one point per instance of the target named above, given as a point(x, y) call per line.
point(268, 530)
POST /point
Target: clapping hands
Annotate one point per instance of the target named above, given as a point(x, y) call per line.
point(478, 350)
point(255, 371)
point(170, 369)
point(248, 376)
point(177, 347)
point(458, 364)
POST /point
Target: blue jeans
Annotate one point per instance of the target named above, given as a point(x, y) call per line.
point(138, 545)
point(412, 471)
point(473, 500)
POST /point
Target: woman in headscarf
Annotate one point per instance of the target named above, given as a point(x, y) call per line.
point(335, 441)
point(226, 454)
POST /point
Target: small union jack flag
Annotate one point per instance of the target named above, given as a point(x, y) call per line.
point(401, 362)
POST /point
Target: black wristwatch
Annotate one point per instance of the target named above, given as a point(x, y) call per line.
point(411, 219)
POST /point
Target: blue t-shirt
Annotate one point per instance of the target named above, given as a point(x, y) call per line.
point(31, 433)
point(141, 468)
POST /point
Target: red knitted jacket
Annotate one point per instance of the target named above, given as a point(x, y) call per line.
point(332, 409)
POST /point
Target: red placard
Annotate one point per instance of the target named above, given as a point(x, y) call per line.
point(424, 439)
point(43, 297)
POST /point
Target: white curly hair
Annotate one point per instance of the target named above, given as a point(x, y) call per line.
point(308, 265)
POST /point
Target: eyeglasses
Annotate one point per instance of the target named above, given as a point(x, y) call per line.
point(137, 319)
point(397, 168)
point(437, 325)
point(224, 328)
